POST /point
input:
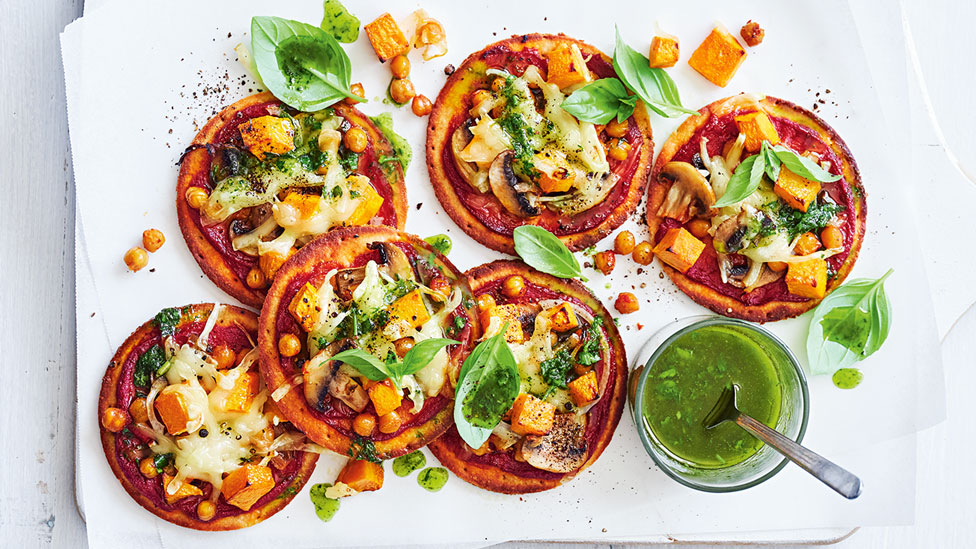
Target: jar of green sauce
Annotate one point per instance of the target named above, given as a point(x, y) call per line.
point(677, 379)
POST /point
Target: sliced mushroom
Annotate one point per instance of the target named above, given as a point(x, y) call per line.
point(729, 235)
point(690, 194)
point(319, 372)
point(514, 194)
point(397, 261)
point(347, 280)
point(563, 449)
point(347, 390)
point(467, 170)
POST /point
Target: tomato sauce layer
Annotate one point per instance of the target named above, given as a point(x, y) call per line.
point(800, 138)
point(488, 210)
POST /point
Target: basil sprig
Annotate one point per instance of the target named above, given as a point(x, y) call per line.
point(654, 87)
point(414, 360)
point(301, 64)
point(849, 325)
point(487, 387)
point(543, 251)
point(770, 159)
point(600, 101)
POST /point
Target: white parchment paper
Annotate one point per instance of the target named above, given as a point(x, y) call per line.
point(143, 77)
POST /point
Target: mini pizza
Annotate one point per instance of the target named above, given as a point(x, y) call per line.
point(573, 369)
point(187, 425)
point(261, 180)
point(502, 152)
point(378, 293)
point(779, 250)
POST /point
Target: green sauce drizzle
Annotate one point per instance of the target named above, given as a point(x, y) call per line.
point(401, 149)
point(338, 22)
point(847, 378)
point(440, 242)
point(325, 508)
point(404, 465)
point(432, 479)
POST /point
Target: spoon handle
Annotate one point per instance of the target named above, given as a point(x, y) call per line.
point(841, 480)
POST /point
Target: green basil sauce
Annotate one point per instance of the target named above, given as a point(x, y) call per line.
point(432, 479)
point(440, 242)
point(325, 508)
point(685, 382)
point(338, 22)
point(847, 378)
point(404, 465)
point(401, 149)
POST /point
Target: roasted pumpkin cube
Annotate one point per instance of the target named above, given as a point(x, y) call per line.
point(506, 313)
point(664, 51)
point(559, 181)
point(186, 489)
point(409, 311)
point(807, 278)
point(370, 201)
point(532, 416)
point(304, 307)
point(270, 262)
point(679, 249)
point(385, 397)
point(567, 66)
point(584, 389)
point(241, 396)
point(362, 475)
point(386, 38)
point(718, 57)
point(562, 317)
point(244, 486)
point(796, 191)
point(307, 205)
point(757, 128)
point(173, 409)
point(268, 135)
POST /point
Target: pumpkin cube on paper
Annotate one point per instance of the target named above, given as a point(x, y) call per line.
point(567, 66)
point(268, 135)
point(510, 313)
point(796, 191)
point(386, 38)
point(186, 489)
point(807, 278)
point(361, 475)
point(664, 51)
point(244, 486)
point(532, 416)
point(246, 387)
point(385, 397)
point(679, 249)
point(718, 57)
point(370, 201)
point(757, 128)
point(304, 307)
point(584, 389)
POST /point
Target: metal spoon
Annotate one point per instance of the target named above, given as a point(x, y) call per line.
point(842, 481)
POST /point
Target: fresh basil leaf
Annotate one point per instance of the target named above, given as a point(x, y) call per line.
point(302, 65)
point(365, 363)
point(487, 388)
point(421, 354)
point(148, 362)
point(771, 160)
point(655, 88)
point(745, 180)
point(166, 320)
point(600, 102)
point(803, 166)
point(849, 325)
point(543, 251)
point(337, 21)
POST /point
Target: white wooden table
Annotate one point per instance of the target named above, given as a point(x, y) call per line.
point(37, 352)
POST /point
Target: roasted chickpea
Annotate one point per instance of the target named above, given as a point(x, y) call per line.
point(355, 140)
point(364, 424)
point(152, 239)
point(626, 303)
point(400, 66)
point(402, 345)
point(256, 279)
point(401, 90)
point(777, 266)
point(619, 149)
point(358, 91)
point(206, 510)
point(136, 258)
point(617, 129)
point(138, 411)
point(485, 302)
point(148, 468)
point(623, 243)
point(643, 253)
point(196, 197)
point(604, 261)
point(289, 345)
point(390, 422)
point(114, 419)
point(498, 84)
point(699, 228)
point(480, 97)
point(421, 106)
point(513, 286)
point(832, 237)
point(224, 356)
point(806, 244)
